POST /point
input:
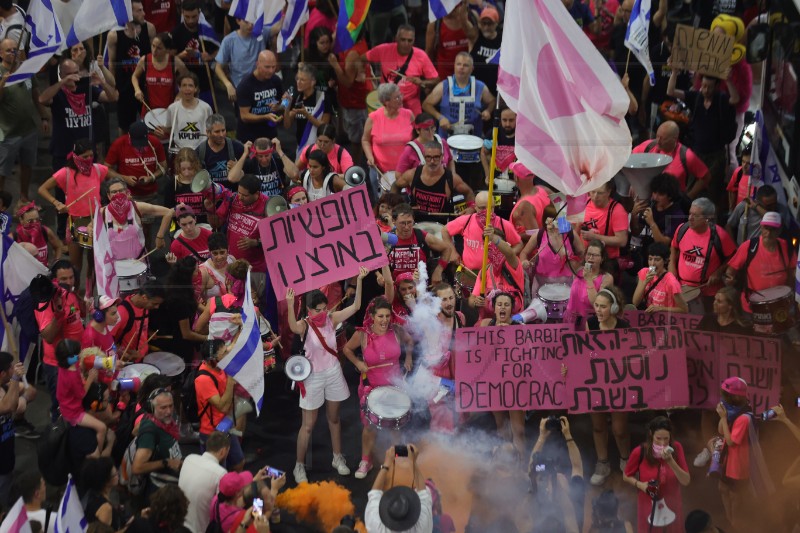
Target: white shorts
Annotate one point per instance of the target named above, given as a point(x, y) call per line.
point(325, 385)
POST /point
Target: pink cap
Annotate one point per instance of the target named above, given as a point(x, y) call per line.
point(520, 171)
point(106, 302)
point(735, 385)
point(233, 482)
point(490, 13)
point(771, 219)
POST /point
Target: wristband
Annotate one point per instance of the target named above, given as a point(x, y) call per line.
point(443, 263)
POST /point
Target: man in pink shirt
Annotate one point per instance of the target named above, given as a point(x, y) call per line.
point(605, 220)
point(406, 65)
point(686, 166)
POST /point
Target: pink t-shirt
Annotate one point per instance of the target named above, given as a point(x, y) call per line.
point(766, 270)
point(419, 66)
point(75, 186)
point(539, 201)
point(316, 19)
point(693, 249)
point(742, 77)
point(104, 341)
point(499, 282)
point(664, 293)
point(337, 165)
point(472, 230)
point(696, 167)
point(70, 393)
point(72, 326)
point(579, 304)
point(410, 159)
point(738, 465)
point(389, 137)
point(740, 184)
point(597, 220)
point(321, 359)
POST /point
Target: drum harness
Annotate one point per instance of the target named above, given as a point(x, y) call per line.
point(714, 243)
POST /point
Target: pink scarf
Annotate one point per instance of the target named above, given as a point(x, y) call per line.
point(171, 429)
point(319, 319)
point(83, 164)
point(76, 101)
point(119, 207)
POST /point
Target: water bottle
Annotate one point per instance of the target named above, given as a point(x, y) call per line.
point(714, 469)
point(287, 98)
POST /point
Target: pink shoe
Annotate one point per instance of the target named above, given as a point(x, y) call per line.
point(363, 469)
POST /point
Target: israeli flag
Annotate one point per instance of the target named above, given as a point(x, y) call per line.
point(206, 30)
point(70, 518)
point(296, 15)
point(96, 17)
point(245, 361)
point(46, 40)
point(636, 36)
point(439, 8)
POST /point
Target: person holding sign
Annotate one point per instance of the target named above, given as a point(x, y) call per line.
point(658, 289)
point(242, 211)
point(382, 343)
point(656, 468)
point(326, 382)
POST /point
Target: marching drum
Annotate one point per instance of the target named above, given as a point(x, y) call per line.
point(341, 337)
point(554, 296)
point(82, 237)
point(465, 148)
point(156, 118)
point(138, 370)
point(131, 273)
point(465, 282)
point(168, 363)
point(773, 310)
point(434, 228)
point(504, 197)
point(387, 408)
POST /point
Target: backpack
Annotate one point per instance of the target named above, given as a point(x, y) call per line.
point(24, 311)
point(201, 151)
point(124, 431)
point(189, 395)
point(53, 455)
point(134, 482)
point(215, 526)
point(715, 244)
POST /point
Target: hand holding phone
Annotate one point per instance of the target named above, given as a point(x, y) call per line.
point(258, 506)
point(274, 473)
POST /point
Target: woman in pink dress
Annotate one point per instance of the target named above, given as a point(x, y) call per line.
point(382, 345)
point(588, 281)
point(387, 130)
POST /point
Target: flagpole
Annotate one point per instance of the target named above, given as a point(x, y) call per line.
point(208, 73)
point(490, 204)
point(627, 61)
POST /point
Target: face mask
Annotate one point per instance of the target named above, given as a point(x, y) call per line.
point(119, 207)
point(658, 450)
point(33, 227)
point(319, 319)
point(83, 164)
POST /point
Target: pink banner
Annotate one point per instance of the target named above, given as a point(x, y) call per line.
point(640, 319)
point(322, 242)
point(510, 368)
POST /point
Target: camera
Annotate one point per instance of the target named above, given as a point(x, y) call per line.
point(401, 450)
point(553, 424)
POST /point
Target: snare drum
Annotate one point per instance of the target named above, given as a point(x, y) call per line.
point(83, 238)
point(156, 118)
point(373, 102)
point(138, 370)
point(554, 296)
point(341, 337)
point(773, 310)
point(465, 148)
point(387, 408)
point(168, 363)
point(465, 282)
point(387, 180)
point(131, 273)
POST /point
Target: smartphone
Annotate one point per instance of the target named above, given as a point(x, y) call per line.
point(258, 506)
point(401, 450)
point(274, 473)
point(541, 468)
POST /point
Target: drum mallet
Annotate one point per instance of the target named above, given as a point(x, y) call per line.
point(153, 336)
point(145, 255)
point(73, 202)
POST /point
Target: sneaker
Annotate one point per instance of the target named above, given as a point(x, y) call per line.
point(601, 472)
point(25, 430)
point(363, 469)
point(622, 464)
point(702, 458)
point(300, 473)
point(340, 464)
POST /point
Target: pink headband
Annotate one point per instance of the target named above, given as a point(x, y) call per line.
point(295, 190)
point(424, 125)
point(25, 208)
point(254, 152)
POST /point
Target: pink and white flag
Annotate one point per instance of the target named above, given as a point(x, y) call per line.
point(570, 105)
point(107, 282)
point(16, 520)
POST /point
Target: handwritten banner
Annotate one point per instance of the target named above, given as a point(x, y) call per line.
point(713, 357)
point(322, 242)
point(510, 368)
point(640, 319)
point(702, 51)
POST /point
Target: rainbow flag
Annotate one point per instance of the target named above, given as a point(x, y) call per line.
point(352, 14)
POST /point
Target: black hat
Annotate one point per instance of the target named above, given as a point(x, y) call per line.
point(138, 134)
point(42, 291)
point(399, 508)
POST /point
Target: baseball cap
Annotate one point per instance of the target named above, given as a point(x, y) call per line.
point(105, 302)
point(233, 482)
point(138, 134)
point(735, 385)
point(771, 219)
point(183, 210)
point(490, 13)
point(520, 171)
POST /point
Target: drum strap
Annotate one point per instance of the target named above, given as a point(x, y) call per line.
point(643, 303)
point(192, 250)
point(322, 339)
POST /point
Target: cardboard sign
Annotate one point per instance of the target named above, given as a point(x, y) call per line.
point(510, 368)
point(703, 51)
point(640, 319)
point(322, 242)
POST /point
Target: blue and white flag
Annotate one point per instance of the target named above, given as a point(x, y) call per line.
point(296, 15)
point(494, 59)
point(439, 8)
point(97, 16)
point(245, 361)
point(636, 36)
point(250, 10)
point(764, 165)
point(16, 520)
point(46, 39)
point(18, 269)
point(206, 30)
point(273, 11)
point(70, 518)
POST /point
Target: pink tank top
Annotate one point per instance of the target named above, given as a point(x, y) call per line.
point(321, 359)
point(579, 304)
point(550, 264)
point(539, 201)
point(389, 137)
point(127, 242)
point(380, 350)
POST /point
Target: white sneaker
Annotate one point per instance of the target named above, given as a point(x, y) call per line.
point(601, 472)
point(702, 458)
point(340, 464)
point(300, 473)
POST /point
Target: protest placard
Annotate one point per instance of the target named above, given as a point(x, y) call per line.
point(701, 50)
point(640, 319)
point(322, 241)
point(509, 368)
point(622, 370)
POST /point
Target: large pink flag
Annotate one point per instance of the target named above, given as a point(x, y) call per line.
point(107, 282)
point(570, 105)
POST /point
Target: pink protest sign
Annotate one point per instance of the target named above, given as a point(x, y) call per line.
point(322, 242)
point(640, 319)
point(510, 368)
point(621, 370)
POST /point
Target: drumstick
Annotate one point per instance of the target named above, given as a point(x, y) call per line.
point(79, 197)
point(147, 106)
point(164, 337)
point(463, 267)
point(125, 351)
point(379, 366)
point(403, 76)
point(148, 253)
point(340, 303)
point(153, 336)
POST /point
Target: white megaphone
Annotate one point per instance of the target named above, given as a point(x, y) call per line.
point(662, 515)
point(638, 171)
point(535, 313)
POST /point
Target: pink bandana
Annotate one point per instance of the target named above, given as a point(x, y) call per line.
point(119, 207)
point(76, 101)
point(319, 319)
point(236, 289)
point(496, 258)
point(254, 153)
point(83, 164)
